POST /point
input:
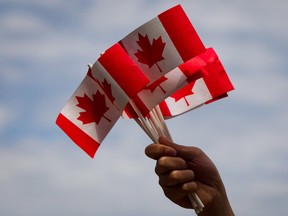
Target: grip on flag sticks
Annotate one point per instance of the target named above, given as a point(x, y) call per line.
point(154, 126)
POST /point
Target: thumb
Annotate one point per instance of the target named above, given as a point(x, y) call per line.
point(185, 152)
point(167, 142)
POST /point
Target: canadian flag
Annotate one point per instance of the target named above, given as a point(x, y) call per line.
point(162, 62)
point(213, 86)
point(99, 101)
point(88, 116)
point(176, 79)
point(163, 43)
point(123, 75)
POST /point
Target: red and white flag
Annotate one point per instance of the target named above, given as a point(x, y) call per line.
point(213, 86)
point(156, 92)
point(100, 99)
point(116, 69)
point(88, 116)
point(162, 62)
point(163, 43)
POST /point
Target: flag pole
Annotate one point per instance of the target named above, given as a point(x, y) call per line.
point(162, 121)
point(145, 123)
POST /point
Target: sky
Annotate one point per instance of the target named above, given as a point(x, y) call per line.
point(45, 46)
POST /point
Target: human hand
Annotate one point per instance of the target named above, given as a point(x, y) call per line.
point(186, 169)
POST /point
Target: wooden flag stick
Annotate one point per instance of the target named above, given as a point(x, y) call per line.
point(161, 118)
point(145, 129)
point(153, 126)
point(145, 123)
point(156, 123)
point(196, 202)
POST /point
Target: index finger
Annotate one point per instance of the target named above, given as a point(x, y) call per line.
point(156, 151)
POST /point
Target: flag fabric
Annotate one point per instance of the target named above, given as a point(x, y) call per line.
point(99, 101)
point(217, 80)
point(162, 62)
point(154, 93)
point(116, 69)
point(88, 116)
point(211, 87)
point(163, 43)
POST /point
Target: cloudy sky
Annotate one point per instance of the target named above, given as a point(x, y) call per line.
point(45, 46)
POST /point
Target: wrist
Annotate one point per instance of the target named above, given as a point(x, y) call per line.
point(217, 210)
point(220, 206)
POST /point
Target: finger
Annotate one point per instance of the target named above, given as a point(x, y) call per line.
point(190, 187)
point(186, 152)
point(178, 194)
point(176, 177)
point(175, 193)
point(166, 164)
point(155, 151)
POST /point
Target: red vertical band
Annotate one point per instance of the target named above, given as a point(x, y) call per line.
point(182, 33)
point(165, 109)
point(78, 136)
point(217, 80)
point(123, 70)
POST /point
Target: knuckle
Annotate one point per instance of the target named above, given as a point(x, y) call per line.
point(157, 170)
point(161, 165)
point(197, 151)
point(162, 161)
point(175, 175)
point(182, 175)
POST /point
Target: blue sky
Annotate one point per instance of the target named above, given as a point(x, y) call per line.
point(45, 48)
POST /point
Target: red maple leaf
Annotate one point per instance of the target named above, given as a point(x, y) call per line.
point(94, 109)
point(183, 93)
point(151, 53)
point(156, 84)
point(108, 90)
point(89, 73)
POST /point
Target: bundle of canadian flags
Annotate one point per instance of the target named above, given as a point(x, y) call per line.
point(158, 71)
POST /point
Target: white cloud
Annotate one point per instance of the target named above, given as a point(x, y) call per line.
point(6, 115)
point(52, 181)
